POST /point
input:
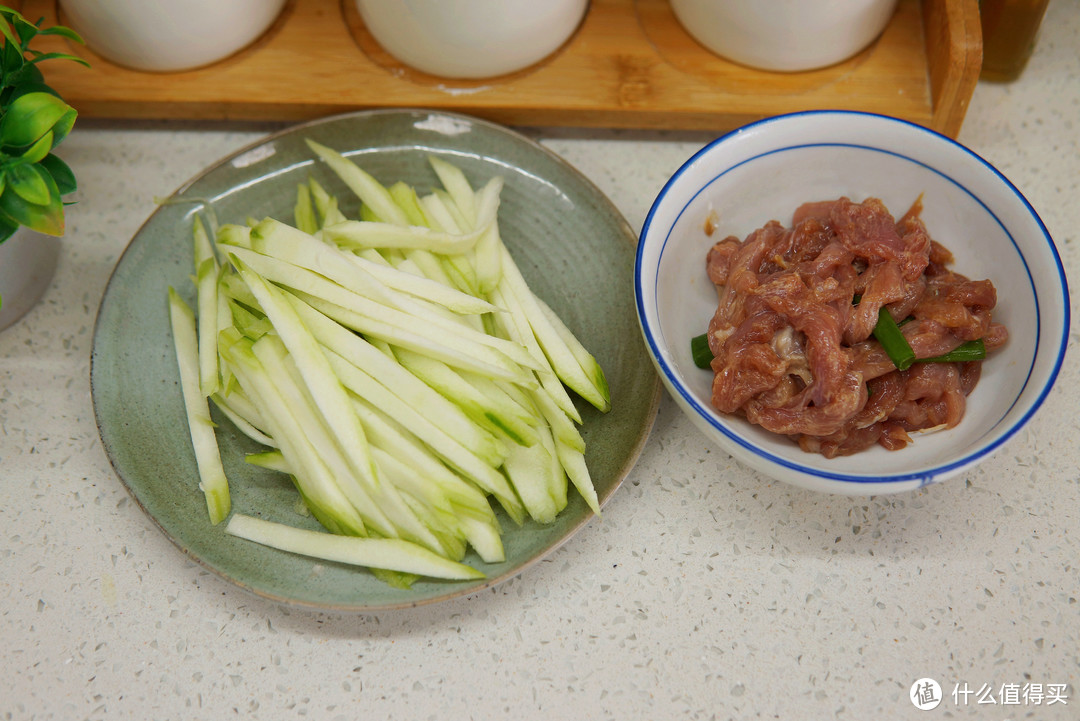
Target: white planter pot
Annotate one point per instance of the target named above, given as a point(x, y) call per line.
point(27, 263)
point(169, 35)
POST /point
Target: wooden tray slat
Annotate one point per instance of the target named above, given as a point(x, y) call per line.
point(629, 65)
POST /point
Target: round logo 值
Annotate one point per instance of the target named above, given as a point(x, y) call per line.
point(925, 694)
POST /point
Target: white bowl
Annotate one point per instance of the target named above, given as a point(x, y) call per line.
point(764, 171)
point(784, 35)
point(169, 35)
point(471, 39)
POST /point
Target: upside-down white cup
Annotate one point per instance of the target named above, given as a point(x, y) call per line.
point(169, 35)
point(471, 38)
point(784, 35)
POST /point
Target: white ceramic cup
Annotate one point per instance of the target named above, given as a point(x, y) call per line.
point(471, 38)
point(169, 35)
point(784, 35)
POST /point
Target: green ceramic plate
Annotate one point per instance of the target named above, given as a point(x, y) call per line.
point(573, 245)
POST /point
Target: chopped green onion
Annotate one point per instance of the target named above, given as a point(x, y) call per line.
point(971, 350)
point(699, 349)
point(893, 341)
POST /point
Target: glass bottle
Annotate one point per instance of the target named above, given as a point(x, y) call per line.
point(1009, 28)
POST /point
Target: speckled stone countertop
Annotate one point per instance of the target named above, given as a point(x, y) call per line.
point(707, 591)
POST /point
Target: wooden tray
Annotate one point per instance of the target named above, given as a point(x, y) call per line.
point(629, 65)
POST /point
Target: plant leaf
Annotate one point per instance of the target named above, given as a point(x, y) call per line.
point(63, 126)
point(7, 229)
point(60, 172)
point(9, 15)
point(48, 218)
point(13, 55)
point(26, 83)
point(63, 32)
point(32, 115)
point(22, 79)
point(25, 29)
point(29, 182)
point(37, 152)
point(38, 57)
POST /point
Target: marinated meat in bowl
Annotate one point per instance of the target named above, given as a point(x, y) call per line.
point(831, 230)
point(847, 329)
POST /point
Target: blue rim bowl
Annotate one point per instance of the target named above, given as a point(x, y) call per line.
point(762, 172)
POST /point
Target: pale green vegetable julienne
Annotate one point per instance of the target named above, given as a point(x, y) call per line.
point(212, 478)
point(397, 367)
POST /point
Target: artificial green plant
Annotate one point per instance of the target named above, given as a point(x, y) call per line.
point(34, 119)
